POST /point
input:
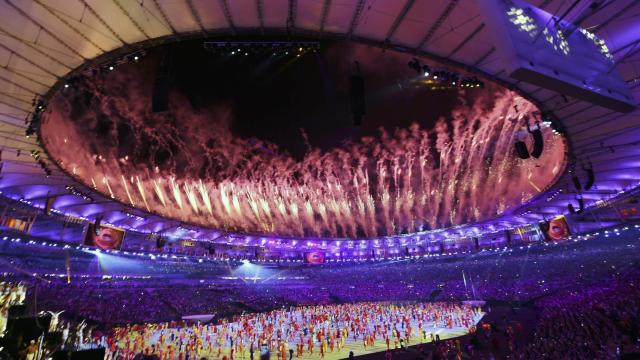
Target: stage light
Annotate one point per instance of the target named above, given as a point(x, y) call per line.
point(110, 68)
point(426, 70)
point(135, 58)
point(66, 85)
point(233, 53)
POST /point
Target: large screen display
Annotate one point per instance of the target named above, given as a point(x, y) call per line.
point(105, 237)
point(555, 229)
point(18, 224)
point(314, 257)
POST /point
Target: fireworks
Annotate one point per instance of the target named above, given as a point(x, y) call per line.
point(403, 181)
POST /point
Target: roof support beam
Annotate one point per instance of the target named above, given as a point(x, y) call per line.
point(13, 106)
point(598, 117)
point(20, 74)
point(17, 138)
point(130, 17)
point(578, 112)
point(30, 45)
point(484, 57)
point(325, 12)
point(567, 104)
point(13, 117)
point(165, 17)
point(601, 137)
point(20, 86)
point(607, 157)
point(70, 26)
point(545, 3)
point(111, 30)
point(629, 45)
point(550, 98)
point(589, 12)
point(467, 39)
point(356, 18)
point(260, 10)
point(227, 15)
point(196, 15)
point(432, 30)
point(291, 16)
point(615, 171)
point(399, 18)
point(628, 55)
point(40, 67)
point(618, 14)
point(15, 98)
point(43, 28)
point(536, 90)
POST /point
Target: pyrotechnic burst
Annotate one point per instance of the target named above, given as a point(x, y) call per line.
point(188, 165)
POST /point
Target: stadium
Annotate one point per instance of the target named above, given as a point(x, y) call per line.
point(311, 179)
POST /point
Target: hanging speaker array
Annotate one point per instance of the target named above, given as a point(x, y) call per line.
point(572, 209)
point(538, 141)
point(590, 176)
point(538, 144)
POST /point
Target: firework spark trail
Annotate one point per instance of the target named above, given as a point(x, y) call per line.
point(204, 195)
point(142, 194)
point(175, 190)
point(159, 192)
point(463, 169)
point(191, 197)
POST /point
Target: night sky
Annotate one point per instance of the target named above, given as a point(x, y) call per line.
point(276, 98)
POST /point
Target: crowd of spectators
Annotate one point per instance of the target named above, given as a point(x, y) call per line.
point(583, 289)
point(599, 322)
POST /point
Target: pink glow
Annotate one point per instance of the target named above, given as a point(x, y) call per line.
point(376, 186)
